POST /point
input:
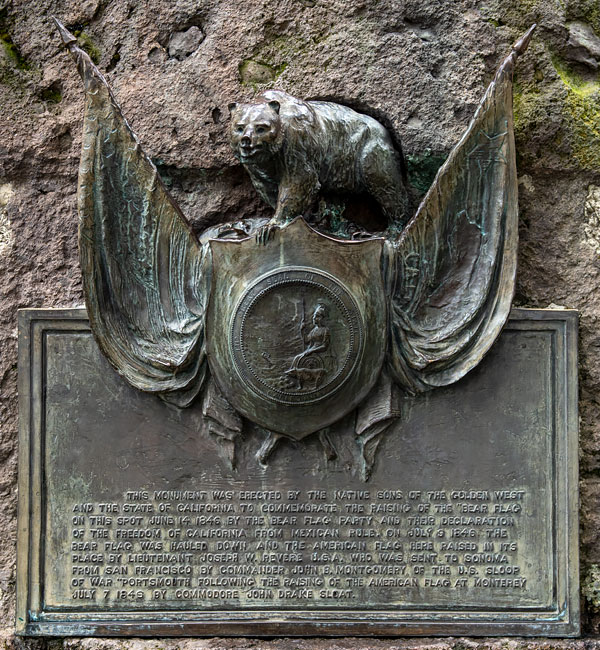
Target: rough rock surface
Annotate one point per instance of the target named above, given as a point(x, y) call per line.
point(176, 64)
point(182, 44)
point(584, 44)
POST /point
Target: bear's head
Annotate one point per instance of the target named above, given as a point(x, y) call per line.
point(255, 132)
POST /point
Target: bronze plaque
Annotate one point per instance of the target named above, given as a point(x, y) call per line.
point(132, 521)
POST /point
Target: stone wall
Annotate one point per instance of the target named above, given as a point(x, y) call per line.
point(423, 64)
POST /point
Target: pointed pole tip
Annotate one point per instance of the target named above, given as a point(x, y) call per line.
point(521, 45)
point(65, 34)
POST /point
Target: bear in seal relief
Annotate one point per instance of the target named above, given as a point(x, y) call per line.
point(293, 149)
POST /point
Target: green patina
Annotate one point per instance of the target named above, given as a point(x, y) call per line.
point(422, 169)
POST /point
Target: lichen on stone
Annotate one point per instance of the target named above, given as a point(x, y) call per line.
point(591, 229)
point(581, 110)
point(257, 73)
point(15, 69)
point(528, 107)
point(514, 13)
point(588, 10)
point(52, 95)
point(6, 232)
point(86, 43)
point(269, 60)
point(11, 50)
point(591, 587)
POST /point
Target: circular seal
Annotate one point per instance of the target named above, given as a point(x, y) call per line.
point(296, 336)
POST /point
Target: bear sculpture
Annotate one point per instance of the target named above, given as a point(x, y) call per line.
point(294, 149)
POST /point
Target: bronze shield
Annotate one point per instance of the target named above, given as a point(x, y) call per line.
point(296, 327)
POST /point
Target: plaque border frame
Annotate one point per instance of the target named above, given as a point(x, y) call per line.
point(31, 620)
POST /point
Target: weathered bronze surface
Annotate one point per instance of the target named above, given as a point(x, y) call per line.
point(293, 150)
point(307, 335)
point(287, 328)
point(464, 523)
point(132, 521)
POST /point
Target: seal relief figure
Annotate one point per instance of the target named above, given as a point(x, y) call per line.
point(272, 321)
point(308, 365)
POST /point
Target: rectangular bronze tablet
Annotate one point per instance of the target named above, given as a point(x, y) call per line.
point(132, 521)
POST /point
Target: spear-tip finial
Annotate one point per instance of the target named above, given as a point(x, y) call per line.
point(65, 34)
point(521, 45)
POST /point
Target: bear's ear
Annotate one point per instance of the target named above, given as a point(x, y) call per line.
point(232, 107)
point(275, 105)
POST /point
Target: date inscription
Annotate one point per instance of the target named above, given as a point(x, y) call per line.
point(326, 548)
point(135, 520)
